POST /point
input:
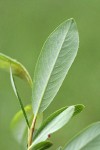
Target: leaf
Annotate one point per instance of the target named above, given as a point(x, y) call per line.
point(17, 68)
point(42, 145)
point(88, 139)
point(19, 127)
point(18, 97)
point(54, 122)
point(56, 57)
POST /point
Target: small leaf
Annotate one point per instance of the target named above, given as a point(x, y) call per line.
point(88, 139)
point(54, 122)
point(17, 68)
point(56, 57)
point(18, 97)
point(19, 127)
point(42, 145)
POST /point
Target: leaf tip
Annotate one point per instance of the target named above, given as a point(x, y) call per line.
point(78, 108)
point(71, 20)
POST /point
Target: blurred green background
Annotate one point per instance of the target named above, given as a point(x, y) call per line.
point(24, 26)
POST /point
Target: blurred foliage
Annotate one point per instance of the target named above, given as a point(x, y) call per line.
point(24, 26)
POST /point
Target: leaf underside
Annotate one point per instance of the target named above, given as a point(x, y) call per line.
point(89, 139)
point(56, 57)
point(55, 121)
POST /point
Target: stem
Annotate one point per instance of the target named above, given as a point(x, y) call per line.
point(30, 132)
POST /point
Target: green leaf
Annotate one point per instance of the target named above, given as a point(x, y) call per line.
point(17, 68)
point(56, 57)
point(78, 109)
point(54, 122)
point(42, 145)
point(88, 139)
point(18, 97)
point(19, 127)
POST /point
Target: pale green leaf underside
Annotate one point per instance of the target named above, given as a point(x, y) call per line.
point(17, 68)
point(55, 121)
point(57, 55)
point(42, 145)
point(89, 139)
point(19, 127)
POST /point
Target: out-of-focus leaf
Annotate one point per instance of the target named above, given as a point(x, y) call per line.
point(88, 139)
point(17, 68)
point(19, 127)
point(56, 57)
point(54, 122)
point(42, 145)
